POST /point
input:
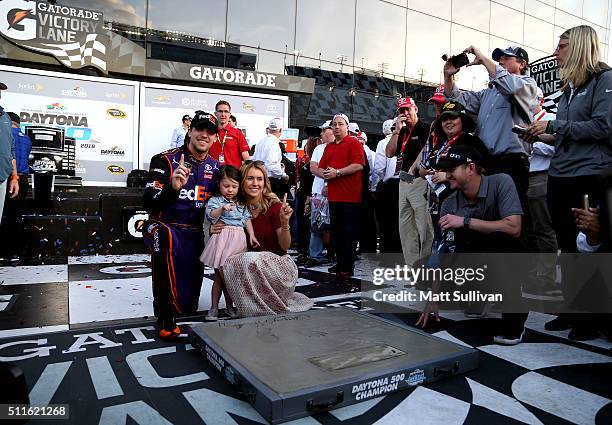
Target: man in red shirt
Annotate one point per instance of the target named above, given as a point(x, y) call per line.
point(231, 147)
point(341, 164)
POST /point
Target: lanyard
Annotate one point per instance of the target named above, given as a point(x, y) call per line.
point(432, 142)
point(541, 115)
point(406, 139)
point(447, 146)
point(223, 142)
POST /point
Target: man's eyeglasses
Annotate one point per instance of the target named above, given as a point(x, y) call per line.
point(402, 110)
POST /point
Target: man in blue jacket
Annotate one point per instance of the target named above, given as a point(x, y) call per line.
point(8, 170)
point(510, 99)
point(13, 208)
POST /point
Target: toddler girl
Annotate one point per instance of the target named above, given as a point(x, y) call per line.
point(225, 207)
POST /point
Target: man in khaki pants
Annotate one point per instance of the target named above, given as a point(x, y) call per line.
point(407, 140)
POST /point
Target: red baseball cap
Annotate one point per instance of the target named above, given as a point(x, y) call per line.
point(405, 102)
point(438, 96)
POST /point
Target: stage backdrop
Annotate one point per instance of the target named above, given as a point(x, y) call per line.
point(99, 113)
point(162, 106)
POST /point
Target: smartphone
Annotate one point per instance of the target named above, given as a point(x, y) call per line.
point(460, 60)
point(518, 129)
point(585, 202)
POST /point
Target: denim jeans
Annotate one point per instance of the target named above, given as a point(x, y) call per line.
point(315, 249)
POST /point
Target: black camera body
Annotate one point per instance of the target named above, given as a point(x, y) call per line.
point(458, 60)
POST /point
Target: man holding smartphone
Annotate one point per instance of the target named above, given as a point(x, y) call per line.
point(509, 100)
point(407, 140)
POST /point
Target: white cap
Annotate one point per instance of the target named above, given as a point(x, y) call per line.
point(386, 127)
point(353, 127)
point(343, 116)
point(540, 93)
point(275, 124)
point(363, 136)
point(326, 124)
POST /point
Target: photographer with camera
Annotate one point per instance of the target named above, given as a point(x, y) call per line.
point(509, 100)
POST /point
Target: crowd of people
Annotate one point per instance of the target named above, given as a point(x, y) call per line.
point(494, 172)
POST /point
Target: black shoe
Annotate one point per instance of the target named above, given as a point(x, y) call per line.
point(607, 332)
point(581, 333)
point(557, 324)
point(333, 269)
point(311, 262)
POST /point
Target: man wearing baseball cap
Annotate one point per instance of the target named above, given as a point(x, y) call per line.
point(509, 100)
point(8, 165)
point(342, 163)
point(483, 215)
point(180, 182)
point(407, 141)
point(269, 152)
point(438, 100)
point(178, 134)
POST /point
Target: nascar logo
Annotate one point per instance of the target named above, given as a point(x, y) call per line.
point(115, 169)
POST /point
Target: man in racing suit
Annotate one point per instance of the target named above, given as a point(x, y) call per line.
point(180, 182)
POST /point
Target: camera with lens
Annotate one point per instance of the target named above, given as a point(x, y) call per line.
point(458, 60)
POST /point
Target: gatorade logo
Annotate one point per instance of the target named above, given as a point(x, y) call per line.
point(198, 193)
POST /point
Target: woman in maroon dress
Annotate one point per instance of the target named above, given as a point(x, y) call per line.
point(262, 281)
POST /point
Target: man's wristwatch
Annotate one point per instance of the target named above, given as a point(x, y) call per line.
point(466, 221)
point(338, 173)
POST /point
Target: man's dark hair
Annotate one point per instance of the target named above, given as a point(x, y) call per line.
point(233, 119)
point(223, 102)
point(14, 117)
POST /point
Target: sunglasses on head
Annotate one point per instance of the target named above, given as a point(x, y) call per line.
point(255, 162)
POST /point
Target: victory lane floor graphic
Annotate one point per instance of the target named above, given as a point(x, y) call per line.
point(83, 334)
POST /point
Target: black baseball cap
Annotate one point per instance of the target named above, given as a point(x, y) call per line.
point(452, 108)
point(203, 120)
point(517, 52)
point(459, 155)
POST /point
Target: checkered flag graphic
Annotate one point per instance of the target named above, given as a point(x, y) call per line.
point(75, 55)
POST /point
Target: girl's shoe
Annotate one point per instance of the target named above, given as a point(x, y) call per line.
point(212, 315)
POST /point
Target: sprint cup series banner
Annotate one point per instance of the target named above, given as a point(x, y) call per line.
point(73, 35)
point(100, 116)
